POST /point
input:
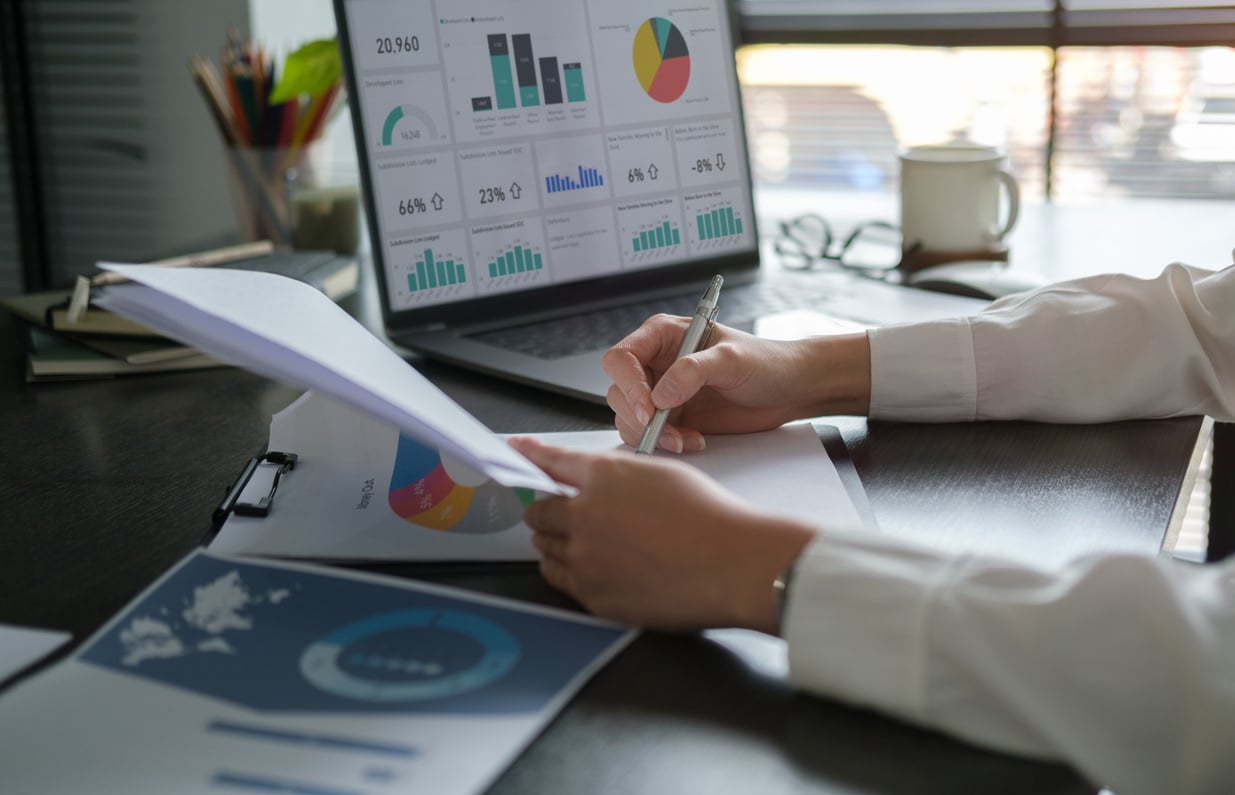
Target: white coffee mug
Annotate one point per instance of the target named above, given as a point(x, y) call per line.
point(950, 198)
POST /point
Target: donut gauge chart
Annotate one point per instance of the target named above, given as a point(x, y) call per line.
point(410, 655)
point(437, 492)
point(661, 59)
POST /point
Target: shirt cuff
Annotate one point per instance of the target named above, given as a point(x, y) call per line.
point(924, 372)
point(856, 621)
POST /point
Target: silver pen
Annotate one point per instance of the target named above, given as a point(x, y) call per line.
point(696, 333)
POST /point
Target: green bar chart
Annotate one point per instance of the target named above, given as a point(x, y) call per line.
point(718, 223)
point(503, 78)
point(663, 235)
point(515, 82)
point(574, 82)
point(434, 271)
point(515, 260)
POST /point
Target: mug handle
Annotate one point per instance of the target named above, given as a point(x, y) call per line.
point(1014, 201)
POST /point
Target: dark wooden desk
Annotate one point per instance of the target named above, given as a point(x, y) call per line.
point(104, 485)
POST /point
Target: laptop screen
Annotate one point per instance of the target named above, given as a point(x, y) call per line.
point(542, 145)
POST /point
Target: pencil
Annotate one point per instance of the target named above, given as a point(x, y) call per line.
point(319, 122)
point(199, 259)
point(287, 121)
point(259, 94)
point(238, 113)
point(207, 81)
point(300, 136)
point(246, 90)
point(246, 166)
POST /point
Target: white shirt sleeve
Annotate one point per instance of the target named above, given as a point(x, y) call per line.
point(1093, 350)
point(1122, 665)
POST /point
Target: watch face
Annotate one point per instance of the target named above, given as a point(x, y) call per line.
point(410, 655)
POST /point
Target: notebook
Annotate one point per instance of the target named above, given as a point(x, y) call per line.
point(542, 177)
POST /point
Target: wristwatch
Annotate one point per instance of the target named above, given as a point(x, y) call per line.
point(780, 589)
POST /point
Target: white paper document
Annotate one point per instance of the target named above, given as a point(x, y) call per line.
point(292, 332)
point(243, 676)
point(22, 646)
point(363, 491)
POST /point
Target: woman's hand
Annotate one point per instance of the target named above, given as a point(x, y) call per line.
point(657, 543)
point(738, 384)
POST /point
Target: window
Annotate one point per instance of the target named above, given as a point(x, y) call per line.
point(1091, 98)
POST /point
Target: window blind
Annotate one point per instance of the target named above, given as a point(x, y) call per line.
point(950, 23)
point(130, 166)
point(10, 263)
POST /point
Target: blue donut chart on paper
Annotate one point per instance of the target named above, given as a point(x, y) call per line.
point(273, 639)
point(410, 655)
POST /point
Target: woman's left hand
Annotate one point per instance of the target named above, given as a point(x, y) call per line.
point(657, 543)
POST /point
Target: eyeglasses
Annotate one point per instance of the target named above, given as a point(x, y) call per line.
point(872, 248)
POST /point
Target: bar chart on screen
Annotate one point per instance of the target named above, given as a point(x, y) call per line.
point(572, 169)
point(714, 220)
point(509, 255)
point(424, 268)
point(650, 230)
point(516, 73)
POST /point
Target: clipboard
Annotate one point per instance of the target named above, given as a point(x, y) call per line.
point(232, 504)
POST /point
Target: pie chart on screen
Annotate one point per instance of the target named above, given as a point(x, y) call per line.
point(662, 62)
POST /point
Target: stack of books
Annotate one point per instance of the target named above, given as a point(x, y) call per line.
point(94, 343)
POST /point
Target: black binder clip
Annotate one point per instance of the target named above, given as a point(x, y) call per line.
point(231, 503)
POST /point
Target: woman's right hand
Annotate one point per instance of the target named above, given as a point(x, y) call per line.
point(739, 383)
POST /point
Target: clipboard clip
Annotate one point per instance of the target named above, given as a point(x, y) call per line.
point(231, 503)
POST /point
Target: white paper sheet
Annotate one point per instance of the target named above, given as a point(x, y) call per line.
point(358, 492)
point(22, 646)
point(242, 676)
point(287, 330)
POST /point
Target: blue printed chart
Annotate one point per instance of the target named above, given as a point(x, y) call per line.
point(259, 677)
point(339, 645)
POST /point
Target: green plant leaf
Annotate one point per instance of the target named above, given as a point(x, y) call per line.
point(311, 70)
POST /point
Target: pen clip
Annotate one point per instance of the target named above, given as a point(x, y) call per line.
point(707, 333)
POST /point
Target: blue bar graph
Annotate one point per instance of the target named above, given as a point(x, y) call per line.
point(587, 178)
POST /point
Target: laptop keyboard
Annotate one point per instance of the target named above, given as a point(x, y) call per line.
point(739, 306)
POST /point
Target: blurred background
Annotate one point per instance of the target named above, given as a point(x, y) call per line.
point(108, 153)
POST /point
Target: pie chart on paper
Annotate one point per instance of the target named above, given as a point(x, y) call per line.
point(662, 62)
point(438, 492)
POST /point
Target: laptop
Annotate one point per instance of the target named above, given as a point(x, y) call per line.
point(541, 177)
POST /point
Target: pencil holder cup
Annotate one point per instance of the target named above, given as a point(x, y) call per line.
point(324, 207)
point(259, 181)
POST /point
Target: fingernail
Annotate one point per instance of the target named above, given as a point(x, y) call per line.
point(641, 414)
point(675, 443)
point(697, 443)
